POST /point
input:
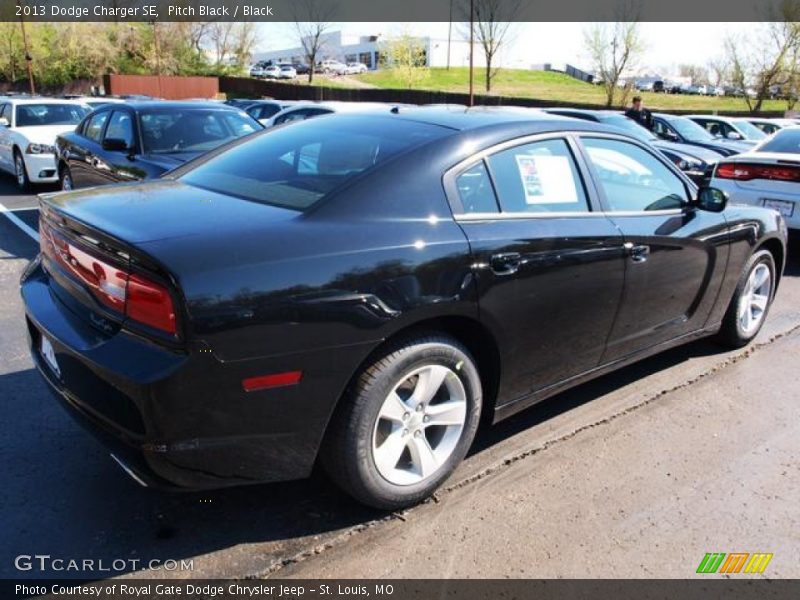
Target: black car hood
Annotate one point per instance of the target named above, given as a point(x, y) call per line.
point(698, 152)
point(170, 161)
point(162, 209)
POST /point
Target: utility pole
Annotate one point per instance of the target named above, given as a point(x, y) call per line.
point(28, 57)
point(471, 52)
point(449, 34)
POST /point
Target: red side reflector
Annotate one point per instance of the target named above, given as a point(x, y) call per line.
point(265, 382)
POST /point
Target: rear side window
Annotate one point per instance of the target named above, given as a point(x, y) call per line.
point(295, 167)
point(475, 190)
point(538, 177)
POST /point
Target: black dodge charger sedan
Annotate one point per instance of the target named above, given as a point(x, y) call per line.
point(359, 289)
point(143, 140)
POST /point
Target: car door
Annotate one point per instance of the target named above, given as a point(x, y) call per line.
point(6, 144)
point(677, 254)
point(112, 166)
point(548, 264)
point(82, 155)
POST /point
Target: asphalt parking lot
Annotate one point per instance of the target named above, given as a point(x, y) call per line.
point(637, 474)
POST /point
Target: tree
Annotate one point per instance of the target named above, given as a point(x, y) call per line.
point(765, 62)
point(232, 42)
point(615, 47)
point(492, 21)
point(405, 56)
point(312, 22)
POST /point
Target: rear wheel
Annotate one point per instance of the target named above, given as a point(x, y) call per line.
point(20, 172)
point(406, 424)
point(751, 301)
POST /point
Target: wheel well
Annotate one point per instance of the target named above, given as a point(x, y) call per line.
point(776, 249)
point(472, 334)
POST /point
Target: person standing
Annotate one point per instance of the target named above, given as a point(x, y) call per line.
point(641, 115)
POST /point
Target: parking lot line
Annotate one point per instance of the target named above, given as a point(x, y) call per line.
point(18, 222)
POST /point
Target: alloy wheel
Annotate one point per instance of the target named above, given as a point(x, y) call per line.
point(755, 298)
point(19, 168)
point(419, 425)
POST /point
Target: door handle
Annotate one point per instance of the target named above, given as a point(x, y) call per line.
point(506, 264)
point(639, 253)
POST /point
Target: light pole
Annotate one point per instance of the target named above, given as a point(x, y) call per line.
point(449, 34)
point(471, 46)
point(28, 57)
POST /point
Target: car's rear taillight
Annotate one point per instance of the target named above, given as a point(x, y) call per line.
point(750, 171)
point(129, 294)
point(150, 303)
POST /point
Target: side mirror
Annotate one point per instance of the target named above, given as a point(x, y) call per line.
point(671, 136)
point(115, 145)
point(4, 122)
point(711, 199)
point(734, 135)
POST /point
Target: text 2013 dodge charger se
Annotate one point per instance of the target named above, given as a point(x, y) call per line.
point(359, 289)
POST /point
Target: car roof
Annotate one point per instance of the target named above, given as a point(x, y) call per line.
point(465, 119)
point(178, 104)
point(43, 100)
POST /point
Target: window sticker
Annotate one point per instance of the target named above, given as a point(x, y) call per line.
point(547, 179)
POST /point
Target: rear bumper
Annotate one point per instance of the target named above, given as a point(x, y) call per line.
point(180, 419)
point(738, 194)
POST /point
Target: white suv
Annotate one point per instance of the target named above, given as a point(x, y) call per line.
point(28, 130)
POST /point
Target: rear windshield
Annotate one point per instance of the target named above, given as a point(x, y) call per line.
point(31, 115)
point(296, 165)
point(784, 141)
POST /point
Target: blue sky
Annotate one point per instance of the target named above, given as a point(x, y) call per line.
point(668, 44)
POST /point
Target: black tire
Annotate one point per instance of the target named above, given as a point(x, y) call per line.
point(64, 176)
point(347, 452)
point(21, 178)
point(732, 332)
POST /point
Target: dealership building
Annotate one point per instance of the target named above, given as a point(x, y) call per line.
point(367, 50)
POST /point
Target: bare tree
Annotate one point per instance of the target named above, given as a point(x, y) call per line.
point(312, 22)
point(698, 74)
point(615, 47)
point(718, 71)
point(764, 63)
point(492, 22)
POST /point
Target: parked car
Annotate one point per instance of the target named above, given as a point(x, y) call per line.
point(659, 87)
point(95, 101)
point(28, 130)
point(143, 140)
point(768, 126)
point(263, 110)
point(695, 162)
point(768, 175)
point(287, 72)
point(301, 68)
point(297, 297)
point(732, 128)
point(257, 71)
point(333, 66)
point(674, 128)
point(356, 68)
point(273, 72)
point(306, 110)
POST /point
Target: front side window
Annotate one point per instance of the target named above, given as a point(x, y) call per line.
point(632, 178)
point(539, 177)
point(120, 127)
point(173, 131)
point(94, 126)
point(295, 167)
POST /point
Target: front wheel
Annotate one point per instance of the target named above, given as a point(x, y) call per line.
point(406, 424)
point(21, 173)
point(66, 179)
point(751, 301)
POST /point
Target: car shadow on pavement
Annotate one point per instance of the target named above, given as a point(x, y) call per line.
point(62, 495)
